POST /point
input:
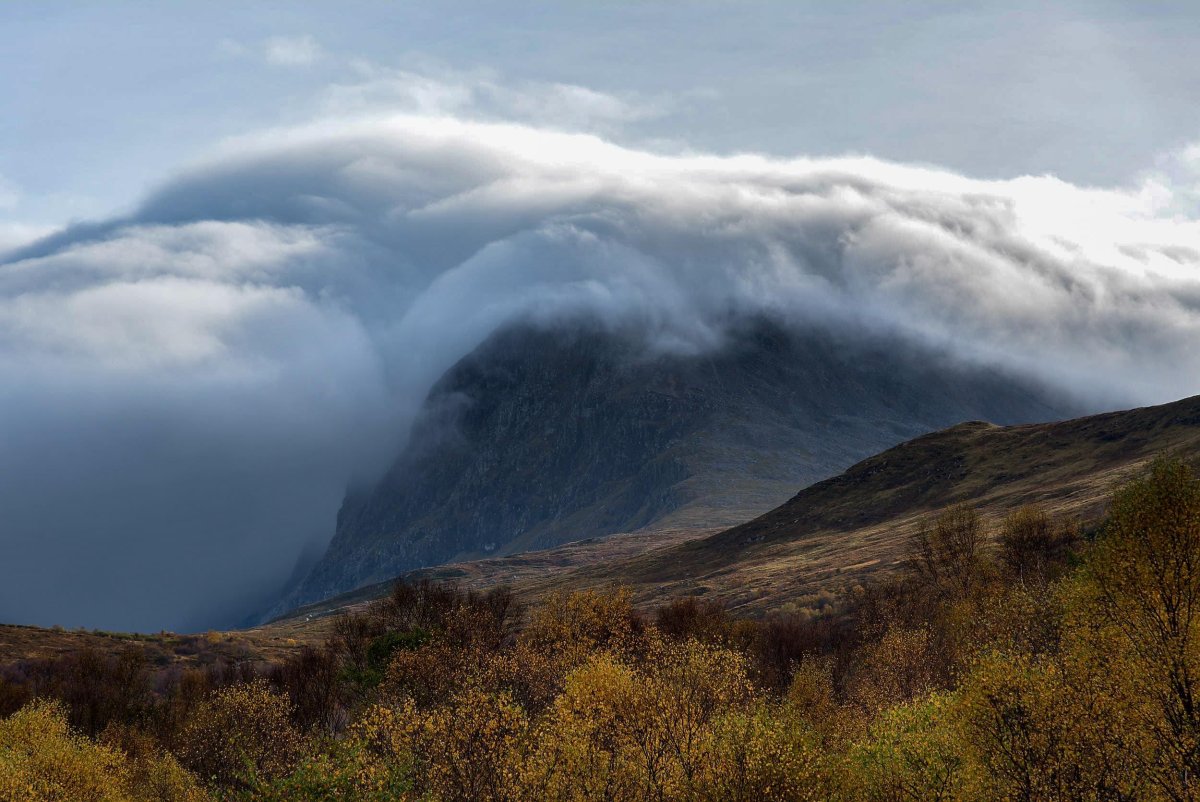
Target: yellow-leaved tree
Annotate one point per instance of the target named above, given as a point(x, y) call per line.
point(1145, 573)
point(43, 760)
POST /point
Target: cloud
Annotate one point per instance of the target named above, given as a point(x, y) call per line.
point(18, 235)
point(481, 95)
point(185, 392)
point(278, 51)
point(292, 51)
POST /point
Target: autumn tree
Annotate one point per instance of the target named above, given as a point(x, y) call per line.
point(947, 554)
point(1146, 573)
point(44, 759)
point(1032, 545)
point(241, 733)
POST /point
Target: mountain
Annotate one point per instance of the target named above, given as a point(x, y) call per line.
point(837, 533)
point(544, 436)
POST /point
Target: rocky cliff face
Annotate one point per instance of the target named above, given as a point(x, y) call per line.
point(541, 437)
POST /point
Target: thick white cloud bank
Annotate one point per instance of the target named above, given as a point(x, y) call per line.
point(184, 393)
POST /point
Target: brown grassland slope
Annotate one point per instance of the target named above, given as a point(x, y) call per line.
point(836, 533)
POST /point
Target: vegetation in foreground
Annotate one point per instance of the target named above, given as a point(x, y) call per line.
point(1050, 665)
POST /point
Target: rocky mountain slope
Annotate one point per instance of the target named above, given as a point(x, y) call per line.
point(837, 533)
point(540, 437)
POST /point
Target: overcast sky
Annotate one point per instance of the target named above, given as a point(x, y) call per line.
point(238, 242)
point(101, 99)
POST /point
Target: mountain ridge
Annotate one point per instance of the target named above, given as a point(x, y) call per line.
point(837, 533)
point(544, 436)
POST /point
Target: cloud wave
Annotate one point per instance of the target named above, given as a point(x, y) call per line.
point(185, 392)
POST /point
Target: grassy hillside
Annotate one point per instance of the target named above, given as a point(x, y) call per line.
point(838, 532)
point(164, 649)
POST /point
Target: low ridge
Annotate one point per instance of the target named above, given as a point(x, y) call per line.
point(835, 533)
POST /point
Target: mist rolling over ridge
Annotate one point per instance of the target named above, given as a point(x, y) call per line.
point(187, 390)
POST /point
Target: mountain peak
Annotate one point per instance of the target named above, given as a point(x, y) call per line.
point(542, 436)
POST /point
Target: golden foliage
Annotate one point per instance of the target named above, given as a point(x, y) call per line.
point(637, 731)
point(812, 700)
point(43, 760)
point(466, 749)
point(764, 753)
point(899, 668)
point(241, 734)
point(1054, 727)
point(1144, 579)
point(911, 753)
point(343, 770)
point(578, 624)
point(154, 772)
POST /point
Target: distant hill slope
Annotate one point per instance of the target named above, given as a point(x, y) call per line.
point(838, 532)
point(831, 535)
point(541, 437)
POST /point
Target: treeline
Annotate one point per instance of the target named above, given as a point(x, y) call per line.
point(1038, 662)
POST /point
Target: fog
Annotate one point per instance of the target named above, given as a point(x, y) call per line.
point(187, 390)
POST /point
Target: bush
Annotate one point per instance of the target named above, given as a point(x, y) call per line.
point(763, 753)
point(691, 618)
point(1054, 727)
point(467, 749)
point(913, 752)
point(897, 669)
point(154, 772)
point(811, 699)
point(240, 735)
point(344, 770)
point(14, 694)
point(779, 644)
point(1033, 548)
point(96, 688)
point(584, 622)
point(42, 759)
point(619, 731)
point(947, 555)
point(312, 680)
point(564, 632)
